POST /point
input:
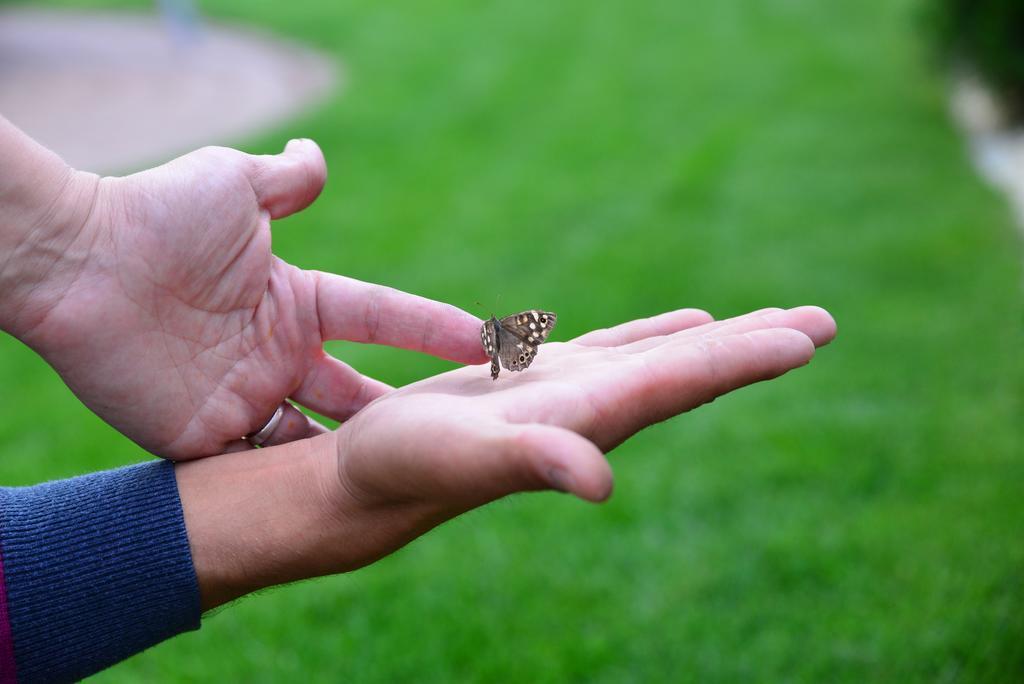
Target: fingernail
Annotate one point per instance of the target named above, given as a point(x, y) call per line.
point(560, 479)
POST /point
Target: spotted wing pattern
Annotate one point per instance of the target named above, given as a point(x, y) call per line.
point(513, 340)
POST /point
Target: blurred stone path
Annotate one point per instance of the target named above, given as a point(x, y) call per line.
point(997, 146)
point(116, 92)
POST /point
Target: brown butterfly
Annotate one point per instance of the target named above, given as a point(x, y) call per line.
point(514, 339)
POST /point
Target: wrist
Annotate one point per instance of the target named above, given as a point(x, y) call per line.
point(44, 208)
point(260, 518)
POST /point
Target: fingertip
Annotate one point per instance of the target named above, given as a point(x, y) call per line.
point(462, 344)
point(791, 348)
point(600, 491)
point(819, 324)
point(471, 351)
point(316, 164)
point(302, 145)
point(591, 481)
point(594, 473)
point(684, 319)
point(568, 462)
point(290, 181)
point(698, 315)
point(313, 155)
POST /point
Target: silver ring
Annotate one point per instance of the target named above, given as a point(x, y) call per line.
point(257, 438)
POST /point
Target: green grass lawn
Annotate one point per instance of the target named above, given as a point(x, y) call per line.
point(858, 520)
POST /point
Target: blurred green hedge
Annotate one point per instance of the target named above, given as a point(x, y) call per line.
point(988, 36)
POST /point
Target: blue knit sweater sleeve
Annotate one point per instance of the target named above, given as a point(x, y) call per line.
point(95, 568)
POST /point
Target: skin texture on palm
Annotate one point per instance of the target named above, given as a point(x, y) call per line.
point(174, 322)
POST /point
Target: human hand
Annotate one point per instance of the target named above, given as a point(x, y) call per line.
point(458, 440)
point(425, 453)
point(166, 313)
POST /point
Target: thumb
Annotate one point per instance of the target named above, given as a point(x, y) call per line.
point(288, 182)
point(539, 456)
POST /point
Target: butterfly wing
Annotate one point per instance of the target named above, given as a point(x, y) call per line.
point(489, 339)
point(518, 336)
point(514, 353)
point(530, 326)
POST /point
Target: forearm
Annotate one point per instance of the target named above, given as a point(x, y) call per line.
point(44, 204)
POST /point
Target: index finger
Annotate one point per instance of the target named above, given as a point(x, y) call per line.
point(353, 310)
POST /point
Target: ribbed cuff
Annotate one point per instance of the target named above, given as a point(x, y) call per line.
point(97, 568)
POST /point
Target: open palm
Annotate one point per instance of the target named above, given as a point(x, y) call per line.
point(174, 322)
point(433, 449)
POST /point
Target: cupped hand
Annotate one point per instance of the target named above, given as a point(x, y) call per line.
point(431, 450)
point(169, 316)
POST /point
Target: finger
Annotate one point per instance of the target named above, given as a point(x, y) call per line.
point(565, 460)
point(705, 329)
point(362, 312)
point(336, 390)
point(813, 321)
point(662, 324)
point(294, 425)
point(688, 373)
point(681, 375)
point(288, 182)
point(534, 457)
point(701, 328)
